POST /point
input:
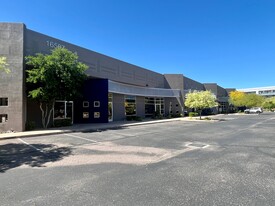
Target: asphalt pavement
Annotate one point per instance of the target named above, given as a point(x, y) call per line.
point(226, 162)
point(85, 127)
point(93, 127)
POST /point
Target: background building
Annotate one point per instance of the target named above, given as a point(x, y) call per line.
point(264, 91)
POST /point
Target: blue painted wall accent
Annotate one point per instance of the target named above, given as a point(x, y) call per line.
point(93, 90)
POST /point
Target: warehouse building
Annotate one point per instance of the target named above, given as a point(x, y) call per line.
point(122, 90)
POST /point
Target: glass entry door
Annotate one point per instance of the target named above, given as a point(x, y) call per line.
point(158, 109)
point(63, 110)
point(154, 106)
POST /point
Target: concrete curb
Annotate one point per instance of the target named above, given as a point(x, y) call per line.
point(87, 128)
point(94, 128)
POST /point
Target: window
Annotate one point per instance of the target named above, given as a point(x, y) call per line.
point(59, 110)
point(85, 115)
point(3, 118)
point(96, 103)
point(222, 106)
point(265, 91)
point(3, 101)
point(85, 104)
point(149, 106)
point(154, 106)
point(130, 105)
point(96, 115)
point(159, 105)
point(63, 110)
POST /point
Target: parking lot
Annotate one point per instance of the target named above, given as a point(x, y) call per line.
point(104, 146)
point(225, 162)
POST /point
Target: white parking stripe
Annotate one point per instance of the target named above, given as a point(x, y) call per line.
point(189, 144)
point(205, 146)
point(70, 135)
point(30, 145)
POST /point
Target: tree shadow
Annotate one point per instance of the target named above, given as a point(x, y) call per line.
point(35, 155)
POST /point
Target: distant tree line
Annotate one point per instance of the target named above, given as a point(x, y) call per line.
point(241, 99)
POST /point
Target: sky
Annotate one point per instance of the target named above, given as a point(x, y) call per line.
point(228, 42)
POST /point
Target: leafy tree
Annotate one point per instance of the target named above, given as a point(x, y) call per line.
point(240, 99)
point(57, 76)
point(200, 100)
point(4, 65)
point(253, 100)
point(269, 103)
point(237, 98)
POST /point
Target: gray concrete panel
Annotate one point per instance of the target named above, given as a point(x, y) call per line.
point(100, 65)
point(221, 92)
point(140, 104)
point(12, 84)
point(118, 107)
point(190, 84)
point(176, 81)
point(212, 87)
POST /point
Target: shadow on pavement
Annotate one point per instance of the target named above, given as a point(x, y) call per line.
point(14, 155)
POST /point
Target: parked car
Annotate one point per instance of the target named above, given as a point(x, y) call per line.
point(254, 110)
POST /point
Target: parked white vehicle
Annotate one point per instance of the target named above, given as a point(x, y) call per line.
point(254, 110)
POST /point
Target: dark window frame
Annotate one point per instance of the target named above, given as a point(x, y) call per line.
point(4, 101)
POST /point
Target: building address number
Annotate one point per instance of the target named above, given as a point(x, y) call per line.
point(54, 44)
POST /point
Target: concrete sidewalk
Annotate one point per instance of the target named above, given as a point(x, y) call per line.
point(84, 128)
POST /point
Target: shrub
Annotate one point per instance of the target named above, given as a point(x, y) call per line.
point(157, 115)
point(193, 114)
point(62, 122)
point(177, 115)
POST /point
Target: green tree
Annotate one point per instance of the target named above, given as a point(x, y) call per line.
point(200, 100)
point(240, 99)
point(269, 103)
point(4, 65)
point(57, 76)
point(253, 100)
